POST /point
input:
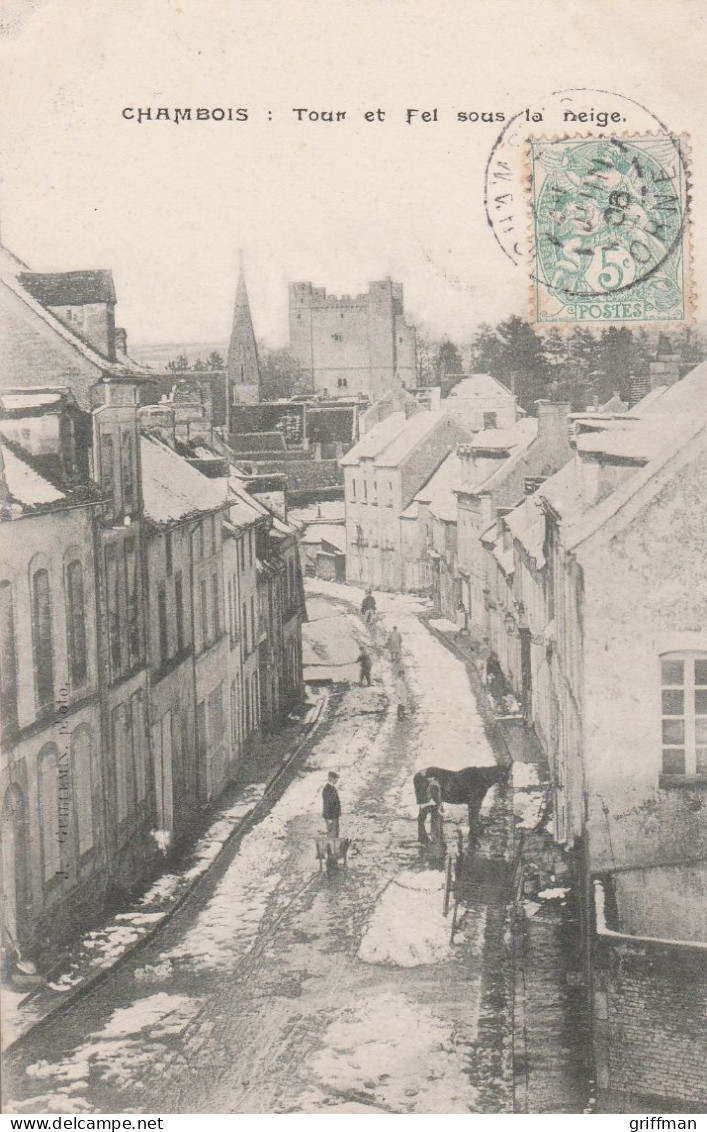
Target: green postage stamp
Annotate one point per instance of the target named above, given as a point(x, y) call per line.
point(609, 230)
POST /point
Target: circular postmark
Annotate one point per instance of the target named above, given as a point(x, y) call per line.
point(589, 192)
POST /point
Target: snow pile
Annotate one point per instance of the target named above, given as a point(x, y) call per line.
point(528, 806)
point(398, 1053)
point(524, 775)
point(119, 1053)
point(152, 1013)
point(444, 626)
point(407, 928)
point(553, 894)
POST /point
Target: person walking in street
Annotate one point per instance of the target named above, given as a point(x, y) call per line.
point(364, 663)
point(368, 607)
point(402, 695)
point(395, 644)
point(331, 805)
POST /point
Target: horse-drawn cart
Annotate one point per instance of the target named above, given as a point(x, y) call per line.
point(331, 851)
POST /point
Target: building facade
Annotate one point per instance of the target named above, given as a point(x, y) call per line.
point(130, 668)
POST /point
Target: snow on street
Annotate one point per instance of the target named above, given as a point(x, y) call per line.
point(275, 989)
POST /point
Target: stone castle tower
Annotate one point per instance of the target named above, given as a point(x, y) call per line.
point(353, 344)
point(242, 367)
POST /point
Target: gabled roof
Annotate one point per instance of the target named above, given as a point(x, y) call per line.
point(69, 288)
point(115, 370)
point(413, 432)
point(438, 492)
point(480, 385)
point(172, 489)
point(374, 441)
point(658, 433)
point(526, 522)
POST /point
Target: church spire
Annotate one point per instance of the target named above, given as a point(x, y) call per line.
point(242, 366)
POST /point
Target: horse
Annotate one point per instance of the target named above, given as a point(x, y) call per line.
point(466, 787)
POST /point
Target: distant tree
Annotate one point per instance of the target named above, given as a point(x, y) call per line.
point(614, 356)
point(522, 362)
point(448, 361)
point(427, 348)
point(281, 374)
point(199, 365)
point(178, 364)
point(215, 360)
point(486, 349)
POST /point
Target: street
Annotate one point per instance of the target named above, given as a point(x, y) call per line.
point(277, 989)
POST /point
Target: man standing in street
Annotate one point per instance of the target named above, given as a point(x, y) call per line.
point(331, 805)
point(395, 644)
point(364, 663)
point(368, 607)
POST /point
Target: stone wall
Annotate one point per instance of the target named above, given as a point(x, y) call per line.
point(650, 1004)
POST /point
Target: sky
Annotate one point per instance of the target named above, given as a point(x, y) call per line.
point(169, 207)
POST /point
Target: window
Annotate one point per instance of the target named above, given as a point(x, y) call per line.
point(162, 622)
point(108, 464)
point(250, 548)
point(127, 469)
point(82, 782)
point(216, 605)
point(113, 601)
point(204, 611)
point(489, 420)
point(162, 754)
point(76, 625)
point(234, 717)
point(252, 621)
point(42, 638)
point(248, 721)
point(245, 629)
point(684, 713)
point(119, 731)
point(8, 659)
point(365, 489)
point(241, 548)
point(168, 556)
point(197, 540)
point(133, 604)
point(137, 716)
point(179, 609)
point(353, 488)
point(48, 768)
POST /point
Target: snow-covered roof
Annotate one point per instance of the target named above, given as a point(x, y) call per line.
point(42, 398)
point(660, 429)
point(24, 484)
point(439, 489)
point(480, 385)
point(506, 439)
point(374, 441)
point(413, 432)
point(527, 524)
point(172, 488)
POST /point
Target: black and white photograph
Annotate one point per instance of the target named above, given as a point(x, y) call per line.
point(353, 603)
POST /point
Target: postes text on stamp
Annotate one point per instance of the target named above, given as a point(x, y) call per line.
point(609, 220)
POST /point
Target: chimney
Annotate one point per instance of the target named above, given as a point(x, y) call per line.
point(121, 340)
point(553, 425)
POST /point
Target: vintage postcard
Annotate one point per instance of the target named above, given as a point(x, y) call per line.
point(353, 642)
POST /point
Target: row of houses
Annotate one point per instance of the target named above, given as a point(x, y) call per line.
point(151, 601)
point(571, 548)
